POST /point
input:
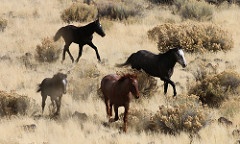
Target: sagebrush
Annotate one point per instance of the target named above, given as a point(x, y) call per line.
point(192, 37)
point(47, 51)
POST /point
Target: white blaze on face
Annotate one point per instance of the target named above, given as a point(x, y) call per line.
point(64, 81)
point(182, 60)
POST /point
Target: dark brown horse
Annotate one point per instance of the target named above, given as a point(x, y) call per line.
point(81, 36)
point(157, 65)
point(117, 91)
point(54, 87)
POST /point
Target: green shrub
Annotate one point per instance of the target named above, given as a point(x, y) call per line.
point(79, 12)
point(215, 89)
point(48, 51)
point(192, 37)
point(3, 24)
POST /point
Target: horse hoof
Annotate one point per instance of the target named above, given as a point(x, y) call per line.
point(112, 120)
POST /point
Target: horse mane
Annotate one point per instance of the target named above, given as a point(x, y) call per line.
point(127, 76)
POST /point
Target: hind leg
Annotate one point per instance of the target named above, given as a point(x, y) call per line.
point(79, 53)
point(44, 97)
point(66, 49)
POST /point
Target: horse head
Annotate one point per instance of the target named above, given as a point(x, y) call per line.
point(180, 57)
point(98, 28)
point(134, 86)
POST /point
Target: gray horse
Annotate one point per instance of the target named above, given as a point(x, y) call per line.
point(54, 87)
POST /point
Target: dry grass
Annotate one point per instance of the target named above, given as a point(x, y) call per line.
point(30, 21)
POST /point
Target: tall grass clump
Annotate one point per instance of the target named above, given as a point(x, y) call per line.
point(3, 24)
point(79, 12)
point(192, 37)
point(213, 90)
point(194, 9)
point(47, 51)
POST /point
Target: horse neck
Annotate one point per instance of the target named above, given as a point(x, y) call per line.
point(89, 28)
point(123, 85)
point(169, 61)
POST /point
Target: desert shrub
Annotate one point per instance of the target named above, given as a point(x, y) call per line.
point(184, 115)
point(215, 89)
point(13, 104)
point(147, 85)
point(79, 12)
point(119, 10)
point(3, 24)
point(84, 82)
point(47, 51)
point(192, 37)
point(194, 9)
point(168, 2)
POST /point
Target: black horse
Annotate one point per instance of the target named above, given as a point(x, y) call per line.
point(54, 87)
point(80, 35)
point(160, 65)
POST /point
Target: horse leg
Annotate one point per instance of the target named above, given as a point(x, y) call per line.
point(125, 118)
point(44, 97)
point(107, 102)
point(111, 105)
point(116, 112)
point(58, 103)
point(165, 87)
point(66, 49)
point(96, 50)
point(173, 85)
point(79, 53)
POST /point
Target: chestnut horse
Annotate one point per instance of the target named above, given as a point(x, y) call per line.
point(117, 91)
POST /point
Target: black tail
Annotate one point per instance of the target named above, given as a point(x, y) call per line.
point(128, 62)
point(58, 34)
point(39, 88)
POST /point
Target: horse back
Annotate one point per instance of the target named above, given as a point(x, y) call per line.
point(76, 34)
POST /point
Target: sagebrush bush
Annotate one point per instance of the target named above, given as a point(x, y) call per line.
point(167, 2)
point(194, 9)
point(192, 37)
point(215, 89)
point(184, 115)
point(79, 12)
point(147, 85)
point(118, 10)
point(13, 104)
point(3, 24)
point(47, 51)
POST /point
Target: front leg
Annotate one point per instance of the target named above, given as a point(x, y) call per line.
point(167, 80)
point(125, 118)
point(96, 50)
point(165, 87)
point(116, 112)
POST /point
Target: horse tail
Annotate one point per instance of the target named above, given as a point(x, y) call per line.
point(58, 34)
point(39, 88)
point(128, 62)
